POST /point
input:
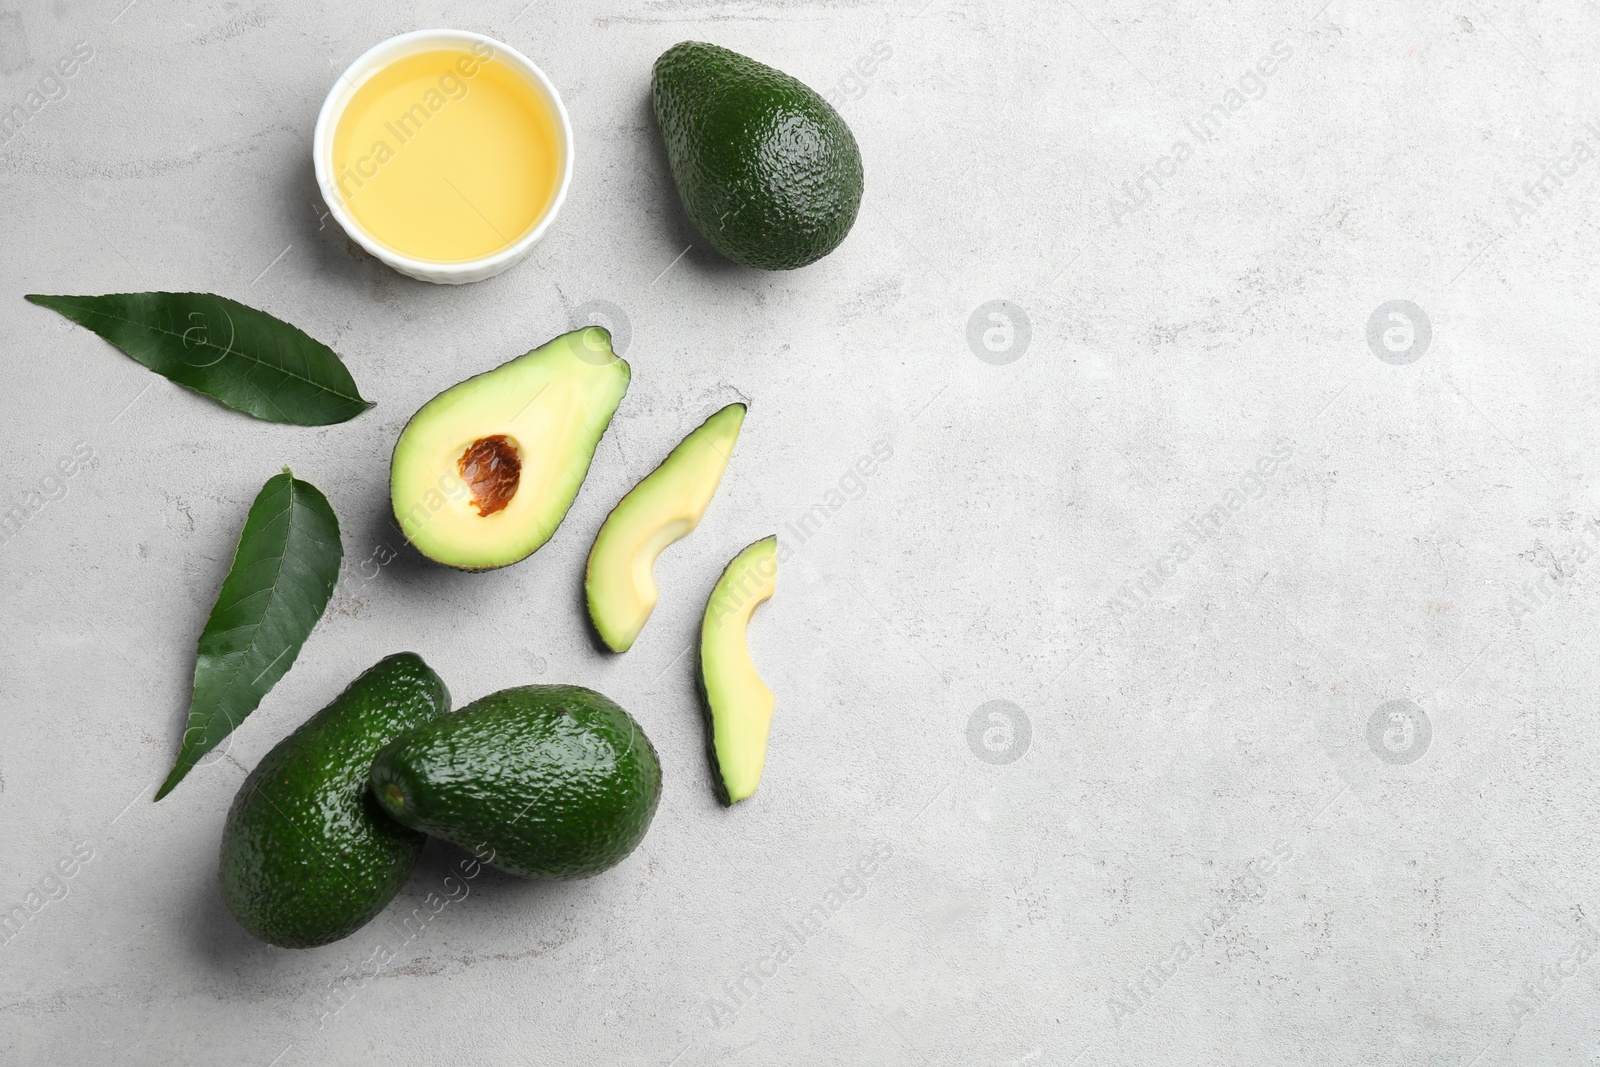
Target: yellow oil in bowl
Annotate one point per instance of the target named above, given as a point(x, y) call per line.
point(447, 154)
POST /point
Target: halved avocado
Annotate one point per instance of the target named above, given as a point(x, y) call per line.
point(620, 582)
point(738, 702)
point(484, 473)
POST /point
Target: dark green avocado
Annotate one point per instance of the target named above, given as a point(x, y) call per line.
point(307, 856)
point(542, 781)
point(768, 171)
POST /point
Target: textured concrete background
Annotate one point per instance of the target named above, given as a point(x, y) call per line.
point(1096, 673)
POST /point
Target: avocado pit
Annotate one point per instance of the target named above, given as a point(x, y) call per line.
point(492, 470)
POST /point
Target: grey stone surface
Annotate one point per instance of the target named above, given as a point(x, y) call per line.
point(1110, 703)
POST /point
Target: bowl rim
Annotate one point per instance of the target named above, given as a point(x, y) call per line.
point(338, 99)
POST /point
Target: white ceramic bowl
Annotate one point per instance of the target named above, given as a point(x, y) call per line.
point(452, 272)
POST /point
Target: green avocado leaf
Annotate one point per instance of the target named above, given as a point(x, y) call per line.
point(282, 577)
point(234, 354)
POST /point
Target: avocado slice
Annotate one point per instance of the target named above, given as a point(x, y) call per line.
point(738, 703)
point(542, 781)
point(307, 857)
point(484, 472)
point(767, 170)
point(620, 582)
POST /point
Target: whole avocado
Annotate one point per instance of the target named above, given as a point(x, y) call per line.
point(542, 781)
point(307, 856)
point(767, 170)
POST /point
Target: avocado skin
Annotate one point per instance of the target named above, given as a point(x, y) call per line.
point(307, 856)
point(767, 170)
point(541, 781)
point(719, 784)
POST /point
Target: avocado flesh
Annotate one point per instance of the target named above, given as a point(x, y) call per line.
point(484, 472)
point(307, 857)
point(738, 702)
point(767, 170)
point(542, 781)
point(620, 583)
